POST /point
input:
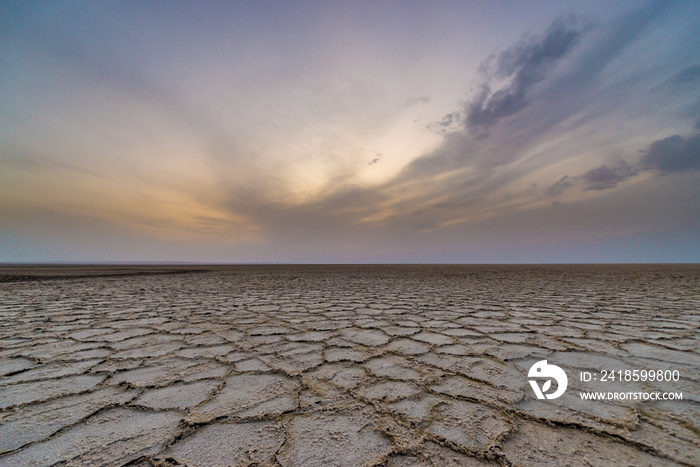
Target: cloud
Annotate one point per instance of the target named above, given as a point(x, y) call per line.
point(526, 63)
point(448, 124)
point(606, 177)
point(452, 205)
point(687, 76)
point(558, 187)
point(533, 106)
point(673, 154)
point(418, 100)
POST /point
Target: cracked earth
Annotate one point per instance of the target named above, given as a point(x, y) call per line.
point(343, 365)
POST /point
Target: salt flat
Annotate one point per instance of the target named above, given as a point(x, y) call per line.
point(345, 365)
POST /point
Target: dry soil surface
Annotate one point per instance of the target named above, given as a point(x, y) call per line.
point(345, 365)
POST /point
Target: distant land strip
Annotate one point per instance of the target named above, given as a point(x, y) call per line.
point(6, 276)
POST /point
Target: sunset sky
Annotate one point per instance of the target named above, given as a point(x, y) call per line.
point(345, 132)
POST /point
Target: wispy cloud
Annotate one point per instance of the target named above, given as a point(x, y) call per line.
point(558, 187)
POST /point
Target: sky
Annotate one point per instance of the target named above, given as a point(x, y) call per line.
point(350, 132)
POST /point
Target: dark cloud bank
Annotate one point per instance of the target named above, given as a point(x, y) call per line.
point(526, 63)
point(673, 154)
point(530, 103)
point(605, 176)
point(533, 100)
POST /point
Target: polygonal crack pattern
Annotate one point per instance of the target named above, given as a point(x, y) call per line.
point(342, 365)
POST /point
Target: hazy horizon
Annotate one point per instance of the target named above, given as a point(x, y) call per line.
point(551, 132)
point(252, 263)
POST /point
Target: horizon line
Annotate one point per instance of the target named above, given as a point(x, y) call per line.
point(272, 263)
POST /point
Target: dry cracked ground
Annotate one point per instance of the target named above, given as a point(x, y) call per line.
point(343, 366)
